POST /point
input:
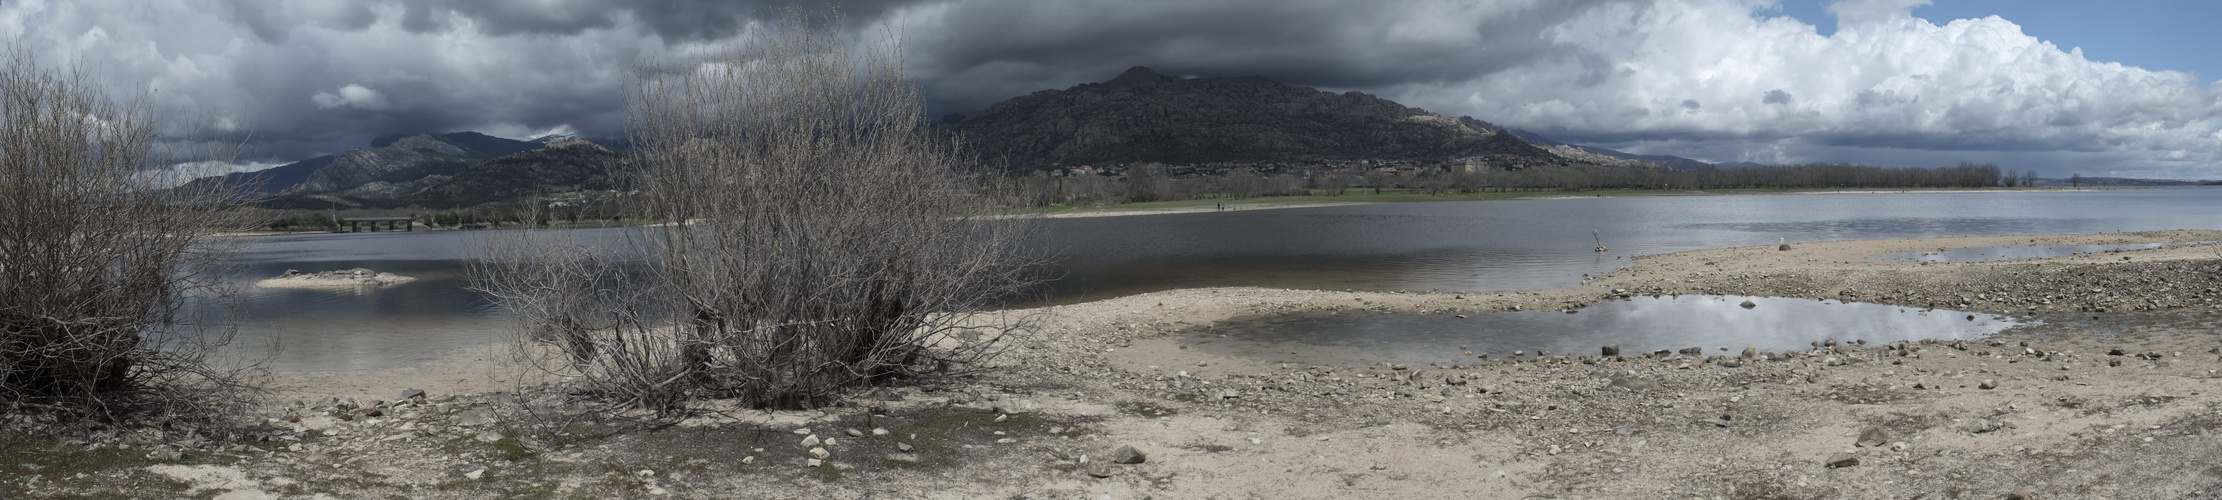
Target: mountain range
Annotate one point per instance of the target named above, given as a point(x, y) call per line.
point(1143, 115)
point(437, 171)
point(1139, 116)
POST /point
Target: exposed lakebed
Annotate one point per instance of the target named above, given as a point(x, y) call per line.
point(1637, 325)
point(2016, 252)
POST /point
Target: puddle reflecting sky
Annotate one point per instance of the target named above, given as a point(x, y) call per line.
point(1638, 325)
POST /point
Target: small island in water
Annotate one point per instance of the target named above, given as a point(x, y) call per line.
point(340, 279)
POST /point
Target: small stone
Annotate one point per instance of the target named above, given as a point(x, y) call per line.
point(1873, 436)
point(1988, 384)
point(852, 432)
point(812, 440)
point(829, 442)
point(2023, 494)
point(751, 459)
point(477, 417)
point(879, 431)
point(803, 431)
point(657, 490)
point(1749, 304)
point(1000, 418)
point(1751, 353)
point(1842, 460)
point(1611, 350)
point(903, 446)
point(1098, 470)
point(416, 395)
point(490, 436)
point(814, 462)
point(1126, 454)
point(820, 453)
point(903, 457)
point(474, 475)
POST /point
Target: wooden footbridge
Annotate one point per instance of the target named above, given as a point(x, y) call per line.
point(355, 224)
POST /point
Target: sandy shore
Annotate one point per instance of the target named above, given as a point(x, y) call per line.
point(2116, 396)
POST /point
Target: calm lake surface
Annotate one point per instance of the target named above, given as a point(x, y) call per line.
point(1448, 246)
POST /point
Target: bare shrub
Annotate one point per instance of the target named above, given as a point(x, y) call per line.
point(98, 263)
point(813, 235)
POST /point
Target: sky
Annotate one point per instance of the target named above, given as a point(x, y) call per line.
point(2098, 88)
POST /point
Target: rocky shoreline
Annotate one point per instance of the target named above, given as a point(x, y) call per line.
point(344, 279)
point(2115, 395)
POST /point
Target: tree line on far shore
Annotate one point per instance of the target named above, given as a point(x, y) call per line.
point(1149, 181)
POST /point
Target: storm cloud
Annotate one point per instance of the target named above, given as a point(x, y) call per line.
point(1720, 80)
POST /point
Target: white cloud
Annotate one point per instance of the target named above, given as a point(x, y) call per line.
point(353, 96)
point(1720, 78)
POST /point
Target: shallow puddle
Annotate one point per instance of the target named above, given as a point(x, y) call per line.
point(1637, 325)
point(1997, 253)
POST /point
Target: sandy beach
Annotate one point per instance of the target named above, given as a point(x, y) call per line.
point(2064, 410)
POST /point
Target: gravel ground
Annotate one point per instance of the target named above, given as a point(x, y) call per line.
point(2114, 395)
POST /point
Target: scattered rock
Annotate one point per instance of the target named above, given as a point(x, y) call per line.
point(903, 446)
point(879, 431)
point(474, 475)
point(820, 453)
point(490, 436)
point(412, 395)
point(1988, 384)
point(1126, 454)
point(903, 457)
point(1633, 384)
point(476, 417)
point(1611, 350)
point(852, 432)
point(812, 440)
point(1872, 437)
point(1842, 460)
point(1751, 353)
point(1749, 304)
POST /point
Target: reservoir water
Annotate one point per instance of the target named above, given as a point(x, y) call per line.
point(1447, 246)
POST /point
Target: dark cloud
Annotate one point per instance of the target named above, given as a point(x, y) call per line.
point(309, 77)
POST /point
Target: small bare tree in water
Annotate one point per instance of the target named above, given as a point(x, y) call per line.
point(98, 260)
point(812, 235)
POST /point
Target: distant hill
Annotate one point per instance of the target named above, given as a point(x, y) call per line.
point(1145, 116)
point(566, 163)
point(267, 181)
point(433, 171)
point(1673, 162)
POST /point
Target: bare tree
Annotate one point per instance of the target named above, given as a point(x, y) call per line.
point(814, 236)
point(100, 265)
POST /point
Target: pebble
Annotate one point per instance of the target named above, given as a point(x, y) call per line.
point(1988, 384)
point(1872, 437)
point(1126, 454)
point(820, 453)
point(812, 440)
point(903, 446)
point(1842, 460)
point(474, 475)
point(852, 432)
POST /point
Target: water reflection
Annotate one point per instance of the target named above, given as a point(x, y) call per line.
point(1638, 325)
point(1449, 246)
